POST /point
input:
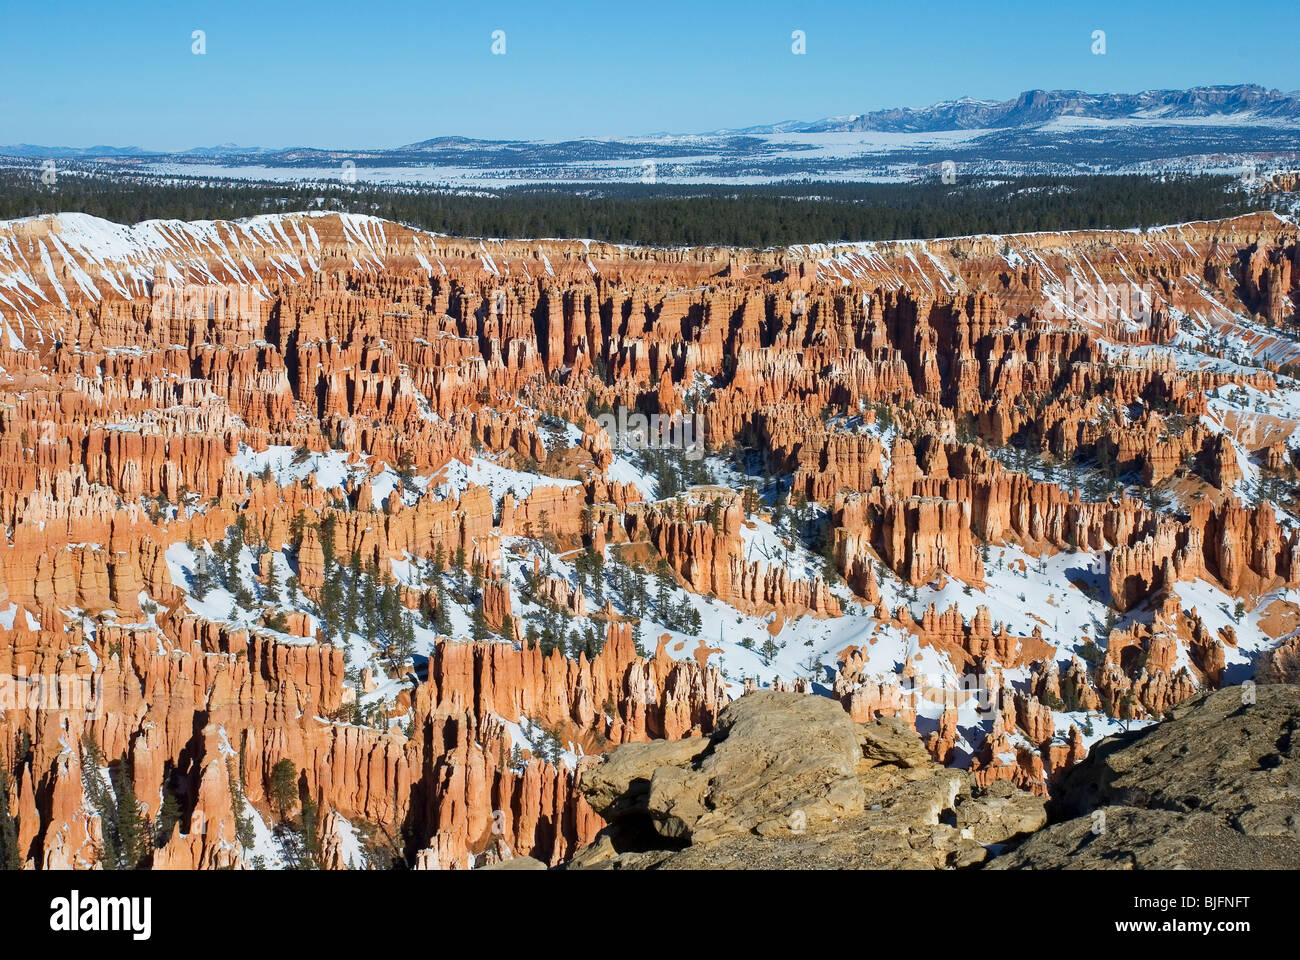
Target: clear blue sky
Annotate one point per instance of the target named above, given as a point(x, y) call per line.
point(361, 73)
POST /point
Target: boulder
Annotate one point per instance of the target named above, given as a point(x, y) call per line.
point(790, 781)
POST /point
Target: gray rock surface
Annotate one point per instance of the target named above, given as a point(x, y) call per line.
point(516, 863)
point(1215, 787)
point(789, 781)
point(1131, 838)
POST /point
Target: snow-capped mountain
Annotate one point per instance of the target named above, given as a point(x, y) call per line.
point(1238, 105)
point(1040, 132)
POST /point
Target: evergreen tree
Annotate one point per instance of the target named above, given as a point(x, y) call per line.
point(100, 799)
point(332, 603)
point(10, 855)
point(372, 607)
point(309, 846)
point(125, 832)
point(169, 814)
point(238, 808)
point(638, 638)
point(441, 616)
point(272, 586)
point(352, 605)
point(201, 577)
point(478, 627)
point(663, 590)
point(530, 582)
point(234, 547)
point(779, 514)
point(746, 216)
point(325, 532)
point(134, 831)
point(284, 788)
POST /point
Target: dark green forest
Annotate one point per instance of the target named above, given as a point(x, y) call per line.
point(664, 215)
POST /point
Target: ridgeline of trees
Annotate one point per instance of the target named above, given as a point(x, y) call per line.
point(664, 215)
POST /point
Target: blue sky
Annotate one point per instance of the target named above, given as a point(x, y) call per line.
point(381, 73)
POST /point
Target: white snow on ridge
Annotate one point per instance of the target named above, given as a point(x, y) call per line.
point(331, 468)
point(459, 476)
point(101, 257)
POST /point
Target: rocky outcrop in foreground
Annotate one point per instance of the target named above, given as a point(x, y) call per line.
point(1216, 787)
point(790, 781)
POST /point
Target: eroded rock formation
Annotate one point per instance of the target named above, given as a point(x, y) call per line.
point(279, 411)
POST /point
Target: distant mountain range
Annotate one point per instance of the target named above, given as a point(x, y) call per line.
point(1034, 107)
point(1056, 132)
point(103, 152)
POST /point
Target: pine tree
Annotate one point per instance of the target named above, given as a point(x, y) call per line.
point(125, 832)
point(663, 590)
point(325, 531)
point(201, 577)
point(133, 829)
point(272, 591)
point(590, 565)
point(441, 616)
point(478, 626)
point(593, 642)
point(530, 582)
point(352, 605)
point(331, 604)
point(234, 546)
point(372, 607)
point(169, 814)
point(10, 855)
point(100, 799)
point(310, 857)
point(398, 626)
point(715, 515)
point(284, 788)
point(406, 470)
